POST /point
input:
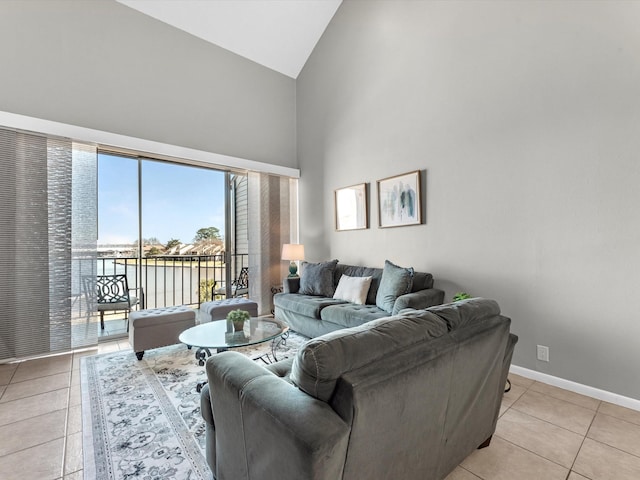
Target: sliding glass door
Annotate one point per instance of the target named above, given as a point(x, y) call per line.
point(183, 234)
point(164, 226)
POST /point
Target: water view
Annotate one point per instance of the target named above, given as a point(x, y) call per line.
point(162, 225)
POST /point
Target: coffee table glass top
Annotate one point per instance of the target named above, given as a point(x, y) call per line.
point(219, 335)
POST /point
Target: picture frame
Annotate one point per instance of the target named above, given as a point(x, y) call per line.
point(351, 207)
point(400, 200)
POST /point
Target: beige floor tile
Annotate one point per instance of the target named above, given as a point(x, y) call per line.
point(572, 476)
point(36, 386)
point(24, 408)
point(2, 389)
point(79, 475)
point(74, 419)
point(73, 453)
point(124, 345)
point(42, 367)
point(75, 377)
point(572, 397)
point(503, 410)
point(503, 460)
point(461, 474)
point(108, 347)
point(42, 462)
point(616, 433)
point(598, 461)
point(75, 395)
point(6, 372)
point(617, 411)
point(547, 440)
point(553, 410)
point(511, 396)
point(31, 432)
point(78, 355)
point(520, 380)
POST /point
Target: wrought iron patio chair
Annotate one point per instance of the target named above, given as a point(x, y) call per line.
point(111, 293)
point(239, 287)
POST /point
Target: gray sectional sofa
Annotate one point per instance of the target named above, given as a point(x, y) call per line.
point(404, 397)
point(308, 306)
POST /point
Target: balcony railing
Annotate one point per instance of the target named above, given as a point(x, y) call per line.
point(178, 280)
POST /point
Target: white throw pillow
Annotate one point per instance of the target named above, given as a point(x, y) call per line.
point(353, 289)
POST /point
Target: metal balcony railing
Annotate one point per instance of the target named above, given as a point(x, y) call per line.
point(177, 280)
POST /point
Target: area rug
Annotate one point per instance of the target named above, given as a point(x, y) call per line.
point(141, 419)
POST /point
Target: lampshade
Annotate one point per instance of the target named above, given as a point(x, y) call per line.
point(292, 251)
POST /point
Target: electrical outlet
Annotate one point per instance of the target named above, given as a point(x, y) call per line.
point(543, 353)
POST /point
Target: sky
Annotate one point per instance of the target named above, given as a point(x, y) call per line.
point(177, 200)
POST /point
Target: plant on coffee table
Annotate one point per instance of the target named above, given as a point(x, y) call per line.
point(238, 317)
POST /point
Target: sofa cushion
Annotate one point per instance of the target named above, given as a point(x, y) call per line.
point(421, 281)
point(350, 315)
point(353, 289)
point(355, 271)
point(461, 313)
point(307, 305)
point(323, 360)
point(317, 278)
point(395, 281)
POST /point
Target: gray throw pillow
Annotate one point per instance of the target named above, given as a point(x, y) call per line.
point(395, 281)
point(317, 278)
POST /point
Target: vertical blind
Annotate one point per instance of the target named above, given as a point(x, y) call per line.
point(48, 230)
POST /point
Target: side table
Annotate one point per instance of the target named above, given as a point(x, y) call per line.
point(274, 289)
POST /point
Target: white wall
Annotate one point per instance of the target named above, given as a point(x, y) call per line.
point(105, 66)
point(526, 117)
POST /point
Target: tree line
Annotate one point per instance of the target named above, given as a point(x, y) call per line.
point(205, 234)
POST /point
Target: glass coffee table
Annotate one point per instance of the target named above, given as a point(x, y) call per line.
point(220, 336)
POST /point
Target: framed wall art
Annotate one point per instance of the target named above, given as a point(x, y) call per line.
point(399, 200)
point(351, 207)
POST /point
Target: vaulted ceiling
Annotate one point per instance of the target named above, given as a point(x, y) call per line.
point(279, 34)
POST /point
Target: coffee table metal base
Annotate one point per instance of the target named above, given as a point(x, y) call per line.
point(202, 353)
point(268, 358)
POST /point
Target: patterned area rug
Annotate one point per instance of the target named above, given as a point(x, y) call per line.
point(141, 419)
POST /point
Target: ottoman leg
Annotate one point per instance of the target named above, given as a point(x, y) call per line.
point(139, 355)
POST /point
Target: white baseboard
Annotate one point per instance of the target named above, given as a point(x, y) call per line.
point(577, 387)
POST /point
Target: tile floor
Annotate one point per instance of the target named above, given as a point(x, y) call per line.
point(543, 433)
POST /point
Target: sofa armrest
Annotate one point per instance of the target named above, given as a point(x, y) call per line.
point(266, 428)
point(291, 285)
point(419, 300)
point(209, 427)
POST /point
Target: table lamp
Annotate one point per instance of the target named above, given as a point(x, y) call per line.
point(293, 252)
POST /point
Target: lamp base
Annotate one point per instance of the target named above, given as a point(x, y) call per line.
point(293, 269)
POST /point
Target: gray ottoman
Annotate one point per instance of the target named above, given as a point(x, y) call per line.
point(218, 309)
point(158, 327)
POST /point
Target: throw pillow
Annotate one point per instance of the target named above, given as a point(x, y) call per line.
point(353, 289)
point(317, 278)
point(395, 281)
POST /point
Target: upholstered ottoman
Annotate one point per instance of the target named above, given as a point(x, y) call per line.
point(158, 327)
point(218, 309)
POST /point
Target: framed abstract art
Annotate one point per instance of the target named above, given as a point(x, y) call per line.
point(399, 200)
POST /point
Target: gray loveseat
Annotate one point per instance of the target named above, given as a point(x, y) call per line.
point(313, 311)
point(404, 397)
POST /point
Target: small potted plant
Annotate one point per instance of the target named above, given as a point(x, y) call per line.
point(461, 296)
point(238, 317)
